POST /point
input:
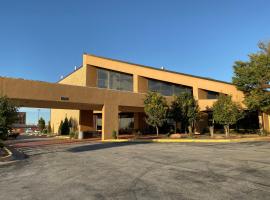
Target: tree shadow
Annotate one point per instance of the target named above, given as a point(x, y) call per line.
point(99, 146)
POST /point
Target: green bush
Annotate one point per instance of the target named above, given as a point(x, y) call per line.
point(65, 129)
point(73, 134)
point(264, 133)
point(114, 134)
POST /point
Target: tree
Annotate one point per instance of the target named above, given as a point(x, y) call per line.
point(175, 111)
point(155, 108)
point(226, 112)
point(253, 78)
point(65, 127)
point(8, 115)
point(185, 108)
point(193, 113)
point(41, 124)
point(49, 127)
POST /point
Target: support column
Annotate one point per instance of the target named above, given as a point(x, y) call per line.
point(86, 122)
point(136, 121)
point(110, 120)
point(195, 92)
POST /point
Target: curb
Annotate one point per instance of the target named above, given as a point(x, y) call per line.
point(9, 153)
point(6, 159)
point(14, 156)
point(267, 139)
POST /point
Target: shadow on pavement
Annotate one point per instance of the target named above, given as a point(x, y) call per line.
point(99, 146)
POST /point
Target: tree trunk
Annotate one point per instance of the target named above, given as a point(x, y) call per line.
point(190, 130)
point(157, 130)
point(211, 129)
point(227, 130)
point(175, 127)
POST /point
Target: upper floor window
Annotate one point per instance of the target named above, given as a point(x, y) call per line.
point(167, 89)
point(212, 95)
point(114, 80)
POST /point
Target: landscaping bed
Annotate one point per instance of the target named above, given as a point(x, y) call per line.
point(187, 136)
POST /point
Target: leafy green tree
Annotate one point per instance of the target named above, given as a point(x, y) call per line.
point(175, 111)
point(65, 127)
point(226, 112)
point(253, 78)
point(41, 124)
point(8, 115)
point(185, 108)
point(155, 108)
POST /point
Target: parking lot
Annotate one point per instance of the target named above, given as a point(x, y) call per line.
point(139, 171)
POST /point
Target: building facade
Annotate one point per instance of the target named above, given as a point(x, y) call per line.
point(119, 89)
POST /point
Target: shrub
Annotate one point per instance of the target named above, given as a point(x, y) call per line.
point(65, 127)
point(73, 134)
point(263, 133)
point(114, 134)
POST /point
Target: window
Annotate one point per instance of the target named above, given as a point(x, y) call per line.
point(167, 89)
point(102, 78)
point(114, 80)
point(212, 95)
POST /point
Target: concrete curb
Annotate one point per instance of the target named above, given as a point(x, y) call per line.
point(191, 140)
point(6, 159)
point(14, 156)
point(9, 154)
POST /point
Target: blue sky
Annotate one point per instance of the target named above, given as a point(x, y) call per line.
point(43, 40)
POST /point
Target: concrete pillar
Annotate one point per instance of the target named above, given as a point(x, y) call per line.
point(196, 92)
point(136, 120)
point(86, 122)
point(110, 120)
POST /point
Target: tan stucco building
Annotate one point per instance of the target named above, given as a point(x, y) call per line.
point(108, 94)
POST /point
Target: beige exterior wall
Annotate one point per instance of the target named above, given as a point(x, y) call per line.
point(78, 77)
point(59, 114)
point(163, 75)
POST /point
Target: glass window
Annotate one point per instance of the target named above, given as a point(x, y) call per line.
point(114, 80)
point(126, 82)
point(154, 86)
point(212, 95)
point(102, 78)
point(167, 89)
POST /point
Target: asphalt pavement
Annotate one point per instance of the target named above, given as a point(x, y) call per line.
point(139, 171)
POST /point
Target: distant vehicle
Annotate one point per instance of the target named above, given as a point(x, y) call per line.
point(29, 131)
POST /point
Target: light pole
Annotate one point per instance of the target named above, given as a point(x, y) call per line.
point(38, 114)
